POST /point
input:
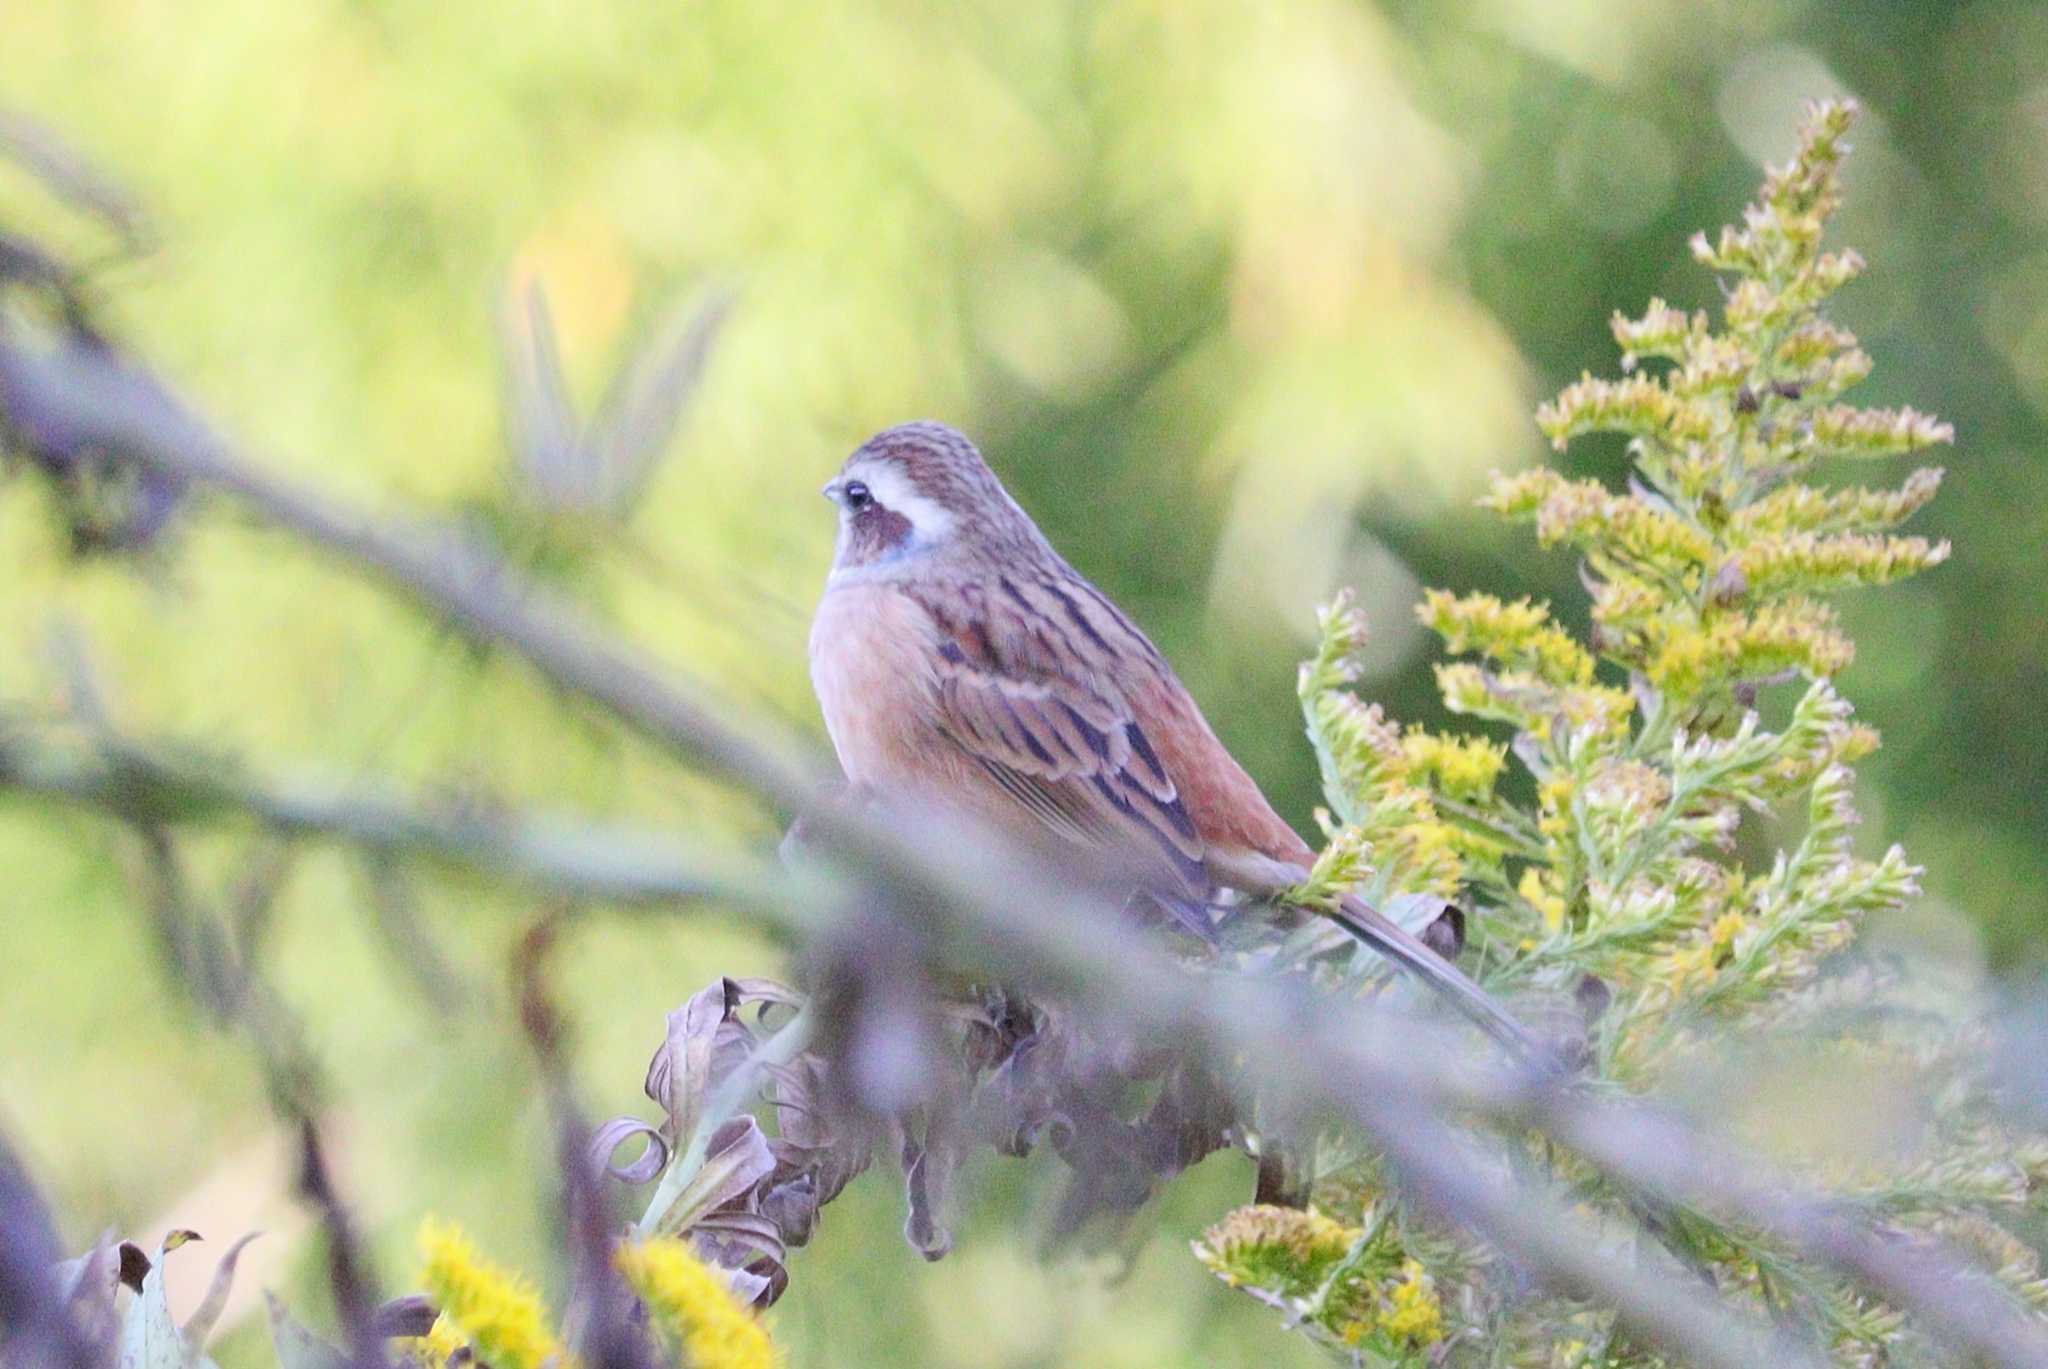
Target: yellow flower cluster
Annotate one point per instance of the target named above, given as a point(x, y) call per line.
point(1569, 1354)
point(1662, 331)
point(1809, 561)
point(2012, 1261)
point(1406, 1311)
point(1625, 601)
point(1826, 356)
point(1553, 802)
point(1461, 767)
point(1636, 405)
point(1346, 858)
point(1722, 935)
point(1839, 430)
point(1366, 747)
point(1634, 787)
point(1586, 514)
point(1535, 889)
point(1414, 1313)
point(1286, 1249)
point(1802, 508)
point(1518, 634)
point(1379, 780)
point(1781, 233)
point(1754, 307)
point(1712, 365)
point(694, 1306)
point(1531, 704)
point(1814, 341)
point(1354, 1291)
point(1341, 632)
point(500, 1312)
point(1691, 966)
point(495, 1308)
point(1842, 745)
point(1427, 855)
point(1686, 660)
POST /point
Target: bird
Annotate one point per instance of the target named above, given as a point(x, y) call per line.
point(961, 662)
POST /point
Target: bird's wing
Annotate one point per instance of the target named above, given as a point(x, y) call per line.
point(1036, 706)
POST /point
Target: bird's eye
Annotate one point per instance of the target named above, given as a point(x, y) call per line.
point(857, 496)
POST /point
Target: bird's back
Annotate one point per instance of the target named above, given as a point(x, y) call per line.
point(1030, 698)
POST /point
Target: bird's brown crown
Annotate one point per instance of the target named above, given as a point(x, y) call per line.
point(925, 485)
point(939, 462)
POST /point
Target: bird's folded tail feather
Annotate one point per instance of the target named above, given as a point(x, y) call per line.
point(1407, 951)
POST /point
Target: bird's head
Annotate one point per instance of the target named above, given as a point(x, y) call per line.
point(919, 491)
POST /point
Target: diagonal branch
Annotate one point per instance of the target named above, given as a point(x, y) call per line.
point(616, 864)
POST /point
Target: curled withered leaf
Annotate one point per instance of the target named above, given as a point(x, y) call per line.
point(412, 1315)
point(1192, 1119)
point(705, 1042)
point(1052, 1079)
point(737, 1193)
point(793, 1207)
point(761, 1290)
point(1125, 1112)
point(749, 1246)
point(735, 1163)
point(816, 1153)
point(931, 1148)
point(200, 1324)
point(606, 1140)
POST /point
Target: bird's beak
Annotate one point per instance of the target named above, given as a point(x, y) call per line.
point(831, 490)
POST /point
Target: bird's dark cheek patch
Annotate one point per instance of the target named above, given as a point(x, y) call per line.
point(877, 532)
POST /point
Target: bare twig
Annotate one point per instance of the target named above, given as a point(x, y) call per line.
point(159, 784)
point(602, 1305)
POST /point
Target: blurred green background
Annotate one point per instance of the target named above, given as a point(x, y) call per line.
point(1243, 299)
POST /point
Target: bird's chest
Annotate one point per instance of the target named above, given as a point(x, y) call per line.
point(872, 654)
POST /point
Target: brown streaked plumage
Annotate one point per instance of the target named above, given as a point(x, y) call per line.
point(960, 660)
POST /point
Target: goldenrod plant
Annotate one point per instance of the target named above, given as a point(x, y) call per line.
point(1671, 854)
point(496, 1316)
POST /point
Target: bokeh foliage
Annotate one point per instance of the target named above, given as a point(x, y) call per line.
point(1244, 300)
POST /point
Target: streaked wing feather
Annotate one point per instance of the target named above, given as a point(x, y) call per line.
point(1071, 753)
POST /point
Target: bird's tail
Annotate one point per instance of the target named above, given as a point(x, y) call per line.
point(1406, 950)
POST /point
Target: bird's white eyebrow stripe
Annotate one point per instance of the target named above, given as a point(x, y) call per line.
point(892, 488)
